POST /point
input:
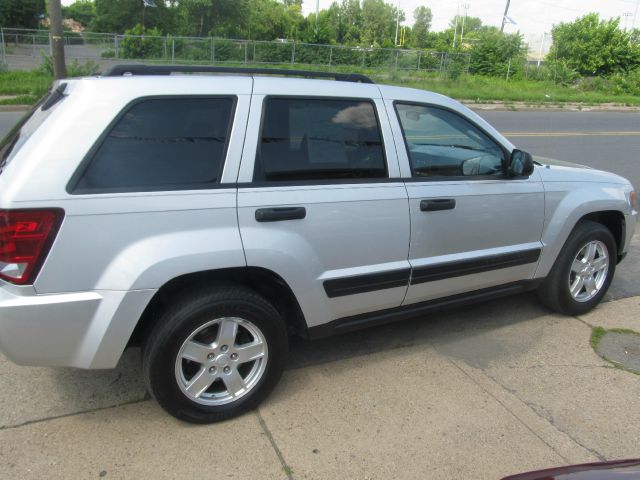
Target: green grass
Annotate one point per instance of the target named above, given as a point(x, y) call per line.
point(596, 335)
point(31, 85)
point(485, 89)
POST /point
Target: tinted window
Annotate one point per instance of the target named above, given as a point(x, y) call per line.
point(162, 144)
point(312, 139)
point(442, 143)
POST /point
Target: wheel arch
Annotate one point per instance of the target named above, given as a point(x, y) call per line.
point(265, 282)
point(559, 229)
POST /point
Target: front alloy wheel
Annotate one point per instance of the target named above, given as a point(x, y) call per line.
point(589, 271)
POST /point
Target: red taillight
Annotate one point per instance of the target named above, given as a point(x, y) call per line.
point(25, 239)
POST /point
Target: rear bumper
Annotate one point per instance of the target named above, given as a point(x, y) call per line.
point(82, 329)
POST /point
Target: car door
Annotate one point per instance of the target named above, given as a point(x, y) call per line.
point(320, 202)
point(472, 226)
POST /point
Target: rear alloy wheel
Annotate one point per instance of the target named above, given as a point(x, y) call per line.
point(221, 361)
point(215, 354)
point(583, 270)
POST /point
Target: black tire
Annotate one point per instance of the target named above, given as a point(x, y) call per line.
point(186, 316)
point(554, 291)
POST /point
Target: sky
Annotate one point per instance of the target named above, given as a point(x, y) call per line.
point(533, 17)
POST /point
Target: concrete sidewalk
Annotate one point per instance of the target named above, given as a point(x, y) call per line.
point(473, 393)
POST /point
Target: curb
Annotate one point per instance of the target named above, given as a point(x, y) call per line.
point(14, 108)
point(548, 107)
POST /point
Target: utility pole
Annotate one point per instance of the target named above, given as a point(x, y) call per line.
point(633, 24)
point(544, 34)
point(504, 17)
point(57, 40)
point(317, 13)
point(455, 30)
point(626, 16)
point(465, 7)
point(397, 22)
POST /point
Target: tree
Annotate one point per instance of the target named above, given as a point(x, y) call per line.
point(495, 53)
point(21, 13)
point(471, 24)
point(420, 31)
point(378, 23)
point(119, 15)
point(82, 11)
point(594, 47)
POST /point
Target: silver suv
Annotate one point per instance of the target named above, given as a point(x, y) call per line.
point(207, 217)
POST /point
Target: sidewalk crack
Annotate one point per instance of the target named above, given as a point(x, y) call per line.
point(285, 467)
point(73, 414)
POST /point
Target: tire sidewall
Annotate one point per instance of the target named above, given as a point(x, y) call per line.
point(164, 347)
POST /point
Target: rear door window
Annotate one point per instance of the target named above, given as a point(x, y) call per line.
point(319, 139)
point(158, 144)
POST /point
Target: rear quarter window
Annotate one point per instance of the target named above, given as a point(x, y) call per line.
point(157, 144)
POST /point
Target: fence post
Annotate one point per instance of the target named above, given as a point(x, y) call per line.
point(293, 53)
point(397, 55)
point(442, 62)
point(33, 37)
point(509, 69)
point(4, 47)
point(363, 54)
point(173, 50)
point(330, 55)
point(50, 46)
point(213, 50)
point(419, 58)
point(164, 55)
point(253, 59)
point(245, 52)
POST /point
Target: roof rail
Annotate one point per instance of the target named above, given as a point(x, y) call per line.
point(121, 70)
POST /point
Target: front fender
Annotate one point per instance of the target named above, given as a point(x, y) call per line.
point(565, 205)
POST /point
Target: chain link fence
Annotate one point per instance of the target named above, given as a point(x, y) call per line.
point(25, 49)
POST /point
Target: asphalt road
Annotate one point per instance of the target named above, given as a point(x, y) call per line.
point(605, 140)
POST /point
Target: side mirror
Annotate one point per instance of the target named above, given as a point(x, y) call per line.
point(520, 164)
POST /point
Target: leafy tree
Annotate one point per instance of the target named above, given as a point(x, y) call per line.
point(378, 23)
point(494, 53)
point(82, 11)
point(471, 24)
point(119, 15)
point(594, 47)
point(420, 31)
point(21, 13)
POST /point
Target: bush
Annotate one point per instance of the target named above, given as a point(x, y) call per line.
point(74, 69)
point(108, 54)
point(557, 72)
point(594, 47)
point(496, 54)
point(143, 43)
point(628, 83)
